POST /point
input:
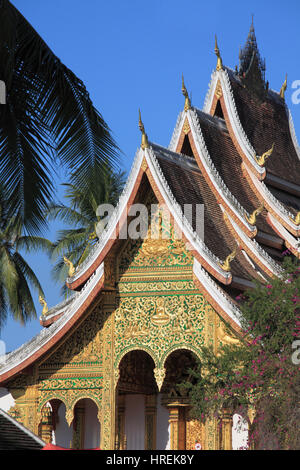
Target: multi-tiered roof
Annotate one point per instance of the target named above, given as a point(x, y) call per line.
point(239, 157)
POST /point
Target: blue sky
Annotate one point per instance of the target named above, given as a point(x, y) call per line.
point(131, 54)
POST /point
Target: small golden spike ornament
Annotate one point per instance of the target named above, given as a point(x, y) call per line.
point(252, 218)
point(71, 266)
point(283, 88)
point(226, 265)
point(217, 52)
point(296, 219)
point(145, 143)
point(187, 103)
point(45, 306)
point(262, 159)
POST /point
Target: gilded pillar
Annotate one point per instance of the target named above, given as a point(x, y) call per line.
point(78, 428)
point(120, 432)
point(226, 430)
point(46, 425)
point(177, 427)
point(150, 422)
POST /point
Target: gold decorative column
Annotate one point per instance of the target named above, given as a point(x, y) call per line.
point(226, 430)
point(150, 422)
point(78, 428)
point(120, 432)
point(177, 426)
point(46, 425)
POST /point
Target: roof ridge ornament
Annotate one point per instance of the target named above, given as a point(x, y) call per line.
point(283, 88)
point(296, 219)
point(187, 103)
point(252, 218)
point(45, 306)
point(226, 265)
point(218, 54)
point(145, 143)
point(71, 266)
point(262, 159)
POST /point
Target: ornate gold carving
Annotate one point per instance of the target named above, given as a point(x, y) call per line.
point(219, 91)
point(226, 265)
point(144, 164)
point(160, 318)
point(159, 375)
point(186, 127)
point(263, 158)
point(252, 218)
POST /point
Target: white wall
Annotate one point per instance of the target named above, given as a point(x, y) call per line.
point(162, 426)
point(91, 425)
point(239, 433)
point(63, 433)
point(6, 399)
point(135, 421)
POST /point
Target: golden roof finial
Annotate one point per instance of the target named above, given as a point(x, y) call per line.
point(187, 103)
point(145, 143)
point(262, 159)
point(71, 266)
point(217, 52)
point(252, 218)
point(283, 88)
point(226, 265)
point(45, 306)
point(296, 219)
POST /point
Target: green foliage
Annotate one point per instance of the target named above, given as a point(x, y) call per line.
point(16, 276)
point(48, 119)
point(258, 373)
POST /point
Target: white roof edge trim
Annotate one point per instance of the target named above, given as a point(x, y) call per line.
point(272, 200)
point(23, 428)
point(213, 173)
point(293, 132)
point(235, 122)
point(253, 246)
point(32, 346)
point(123, 200)
point(294, 242)
point(178, 215)
point(176, 132)
point(210, 285)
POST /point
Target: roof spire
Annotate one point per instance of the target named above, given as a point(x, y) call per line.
point(187, 103)
point(252, 66)
point(217, 52)
point(283, 88)
point(145, 143)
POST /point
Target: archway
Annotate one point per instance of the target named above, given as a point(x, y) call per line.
point(86, 426)
point(136, 402)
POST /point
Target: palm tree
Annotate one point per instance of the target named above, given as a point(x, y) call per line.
point(75, 243)
point(16, 276)
point(48, 119)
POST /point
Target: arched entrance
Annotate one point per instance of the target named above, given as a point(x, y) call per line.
point(147, 418)
point(86, 427)
point(135, 398)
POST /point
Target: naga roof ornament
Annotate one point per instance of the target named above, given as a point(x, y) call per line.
point(296, 219)
point(71, 266)
point(45, 306)
point(263, 158)
point(187, 103)
point(252, 218)
point(226, 265)
point(218, 54)
point(283, 88)
point(145, 143)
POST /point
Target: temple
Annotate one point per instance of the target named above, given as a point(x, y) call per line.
point(223, 205)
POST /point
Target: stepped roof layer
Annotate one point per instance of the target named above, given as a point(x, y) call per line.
point(211, 161)
point(14, 436)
